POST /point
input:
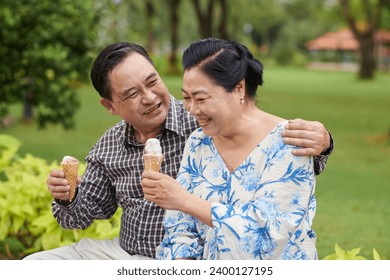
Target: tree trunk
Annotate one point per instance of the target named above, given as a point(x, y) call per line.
point(365, 36)
point(28, 107)
point(149, 26)
point(174, 24)
point(222, 30)
point(204, 18)
point(367, 57)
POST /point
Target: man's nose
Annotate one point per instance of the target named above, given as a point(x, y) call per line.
point(148, 95)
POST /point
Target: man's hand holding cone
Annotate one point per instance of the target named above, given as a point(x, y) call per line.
point(70, 166)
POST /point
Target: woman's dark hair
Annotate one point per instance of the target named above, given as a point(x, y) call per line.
point(106, 61)
point(226, 62)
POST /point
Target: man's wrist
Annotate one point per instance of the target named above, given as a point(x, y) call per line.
point(63, 202)
point(66, 202)
point(328, 150)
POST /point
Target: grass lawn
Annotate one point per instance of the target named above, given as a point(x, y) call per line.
point(353, 193)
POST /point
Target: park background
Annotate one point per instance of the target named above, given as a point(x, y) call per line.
point(49, 109)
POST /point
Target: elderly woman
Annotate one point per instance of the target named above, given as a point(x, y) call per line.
point(240, 192)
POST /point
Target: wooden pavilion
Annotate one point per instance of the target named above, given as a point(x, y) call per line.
point(340, 50)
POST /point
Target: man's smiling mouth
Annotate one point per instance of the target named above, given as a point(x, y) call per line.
point(151, 110)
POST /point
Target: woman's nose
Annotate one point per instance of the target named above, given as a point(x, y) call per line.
point(192, 108)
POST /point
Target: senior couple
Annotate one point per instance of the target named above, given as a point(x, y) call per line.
point(236, 181)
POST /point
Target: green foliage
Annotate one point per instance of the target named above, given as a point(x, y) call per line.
point(353, 254)
point(26, 222)
point(44, 50)
point(8, 147)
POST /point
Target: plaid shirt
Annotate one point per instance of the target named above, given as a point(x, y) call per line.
point(320, 160)
point(113, 176)
point(112, 179)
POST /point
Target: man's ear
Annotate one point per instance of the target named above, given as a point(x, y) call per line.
point(108, 105)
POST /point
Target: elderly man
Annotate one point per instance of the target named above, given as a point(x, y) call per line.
point(129, 86)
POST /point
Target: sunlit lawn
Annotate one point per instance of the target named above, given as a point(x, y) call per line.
point(353, 193)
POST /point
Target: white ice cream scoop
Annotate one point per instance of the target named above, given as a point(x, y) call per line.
point(153, 147)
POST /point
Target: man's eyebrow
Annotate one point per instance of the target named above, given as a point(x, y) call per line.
point(151, 75)
point(126, 91)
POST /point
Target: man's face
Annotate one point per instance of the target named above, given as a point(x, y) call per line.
point(139, 96)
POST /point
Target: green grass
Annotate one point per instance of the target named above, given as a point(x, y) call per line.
point(353, 193)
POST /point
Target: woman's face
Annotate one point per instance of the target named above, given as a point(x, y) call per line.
point(213, 107)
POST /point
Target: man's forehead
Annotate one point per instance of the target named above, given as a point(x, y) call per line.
point(137, 60)
point(135, 65)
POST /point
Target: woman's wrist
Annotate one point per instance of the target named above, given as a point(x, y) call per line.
point(198, 208)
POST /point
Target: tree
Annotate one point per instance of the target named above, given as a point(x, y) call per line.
point(222, 25)
point(206, 17)
point(364, 33)
point(44, 50)
point(149, 15)
point(174, 39)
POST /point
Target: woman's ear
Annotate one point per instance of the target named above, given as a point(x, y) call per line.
point(240, 87)
point(108, 105)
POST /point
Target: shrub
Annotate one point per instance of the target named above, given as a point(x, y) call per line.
point(353, 254)
point(26, 222)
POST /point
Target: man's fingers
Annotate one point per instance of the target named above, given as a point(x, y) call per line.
point(308, 147)
point(52, 181)
point(309, 135)
point(60, 192)
point(56, 190)
point(299, 124)
point(56, 178)
point(57, 173)
point(303, 152)
point(61, 195)
point(306, 143)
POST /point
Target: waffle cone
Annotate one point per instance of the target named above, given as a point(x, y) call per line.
point(153, 163)
point(71, 173)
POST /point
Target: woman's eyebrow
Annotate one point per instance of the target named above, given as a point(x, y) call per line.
point(194, 93)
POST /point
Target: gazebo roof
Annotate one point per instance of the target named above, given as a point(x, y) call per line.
point(343, 40)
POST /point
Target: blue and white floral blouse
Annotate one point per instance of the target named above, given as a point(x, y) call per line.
point(263, 210)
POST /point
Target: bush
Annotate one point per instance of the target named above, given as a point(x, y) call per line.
point(26, 222)
point(353, 254)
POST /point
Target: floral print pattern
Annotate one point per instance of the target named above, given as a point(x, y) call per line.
point(262, 210)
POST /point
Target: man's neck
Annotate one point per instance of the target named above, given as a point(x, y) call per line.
point(142, 136)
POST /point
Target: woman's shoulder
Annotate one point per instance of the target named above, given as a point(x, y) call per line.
point(271, 125)
point(274, 121)
point(198, 139)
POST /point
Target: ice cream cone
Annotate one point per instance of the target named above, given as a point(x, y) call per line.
point(70, 167)
point(153, 162)
point(153, 156)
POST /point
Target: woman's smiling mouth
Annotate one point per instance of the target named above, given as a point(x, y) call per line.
point(203, 121)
